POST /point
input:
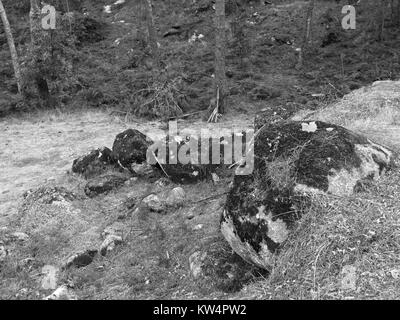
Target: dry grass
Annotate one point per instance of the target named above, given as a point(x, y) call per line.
point(373, 111)
point(161, 98)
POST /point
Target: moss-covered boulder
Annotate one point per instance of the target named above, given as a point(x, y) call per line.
point(130, 147)
point(293, 160)
point(95, 162)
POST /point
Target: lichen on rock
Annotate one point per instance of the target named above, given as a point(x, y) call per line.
point(294, 160)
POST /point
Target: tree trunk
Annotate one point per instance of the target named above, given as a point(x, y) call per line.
point(11, 44)
point(398, 12)
point(221, 86)
point(307, 35)
point(40, 39)
point(140, 16)
point(152, 33)
point(382, 21)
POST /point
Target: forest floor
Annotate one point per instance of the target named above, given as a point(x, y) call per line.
point(153, 262)
point(37, 149)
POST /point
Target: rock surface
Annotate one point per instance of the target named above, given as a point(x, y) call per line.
point(294, 160)
point(154, 203)
point(177, 158)
point(80, 259)
point(104, 183)
point(196, 263)
point(176, 197)
point(109, 243)
point(3, 252)
point(95, 162)
point(62, 293)
point(130, 147)
point(49, 280)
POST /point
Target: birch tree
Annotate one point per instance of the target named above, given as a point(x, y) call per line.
point(307, 35)
point(11, 45)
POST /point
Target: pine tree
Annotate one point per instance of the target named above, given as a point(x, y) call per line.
point(221, 85)
point(40, 41)
point(152, 33)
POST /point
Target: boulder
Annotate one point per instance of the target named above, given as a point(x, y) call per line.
point(176, 157)
point(95, 162)
point(293, 161)
point(104, 183)
point(130, 147)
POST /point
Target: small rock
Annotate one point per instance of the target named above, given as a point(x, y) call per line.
point(109, 244)
point(395, 273)
point(81, 259)
point(3, 253)
point(19, 236)
point(196, 263)
point(197, 227)
point(154, 203)
point(49, 281)
point(190, 214)
point(131, 181)
point(28, 262)
point(349, 278)
point(62, 293)
point(215, 178)
point(176, 197)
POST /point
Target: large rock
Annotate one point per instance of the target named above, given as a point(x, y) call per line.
point(95, 162)
point(293, 160)
point(180, 158)
point(130, 147)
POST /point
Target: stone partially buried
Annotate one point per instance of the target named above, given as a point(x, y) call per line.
point(294, 160)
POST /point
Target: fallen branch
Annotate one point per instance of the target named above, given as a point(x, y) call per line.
point(185, 115)
point(211, 197)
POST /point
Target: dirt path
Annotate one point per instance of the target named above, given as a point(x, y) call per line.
point(44, 147)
